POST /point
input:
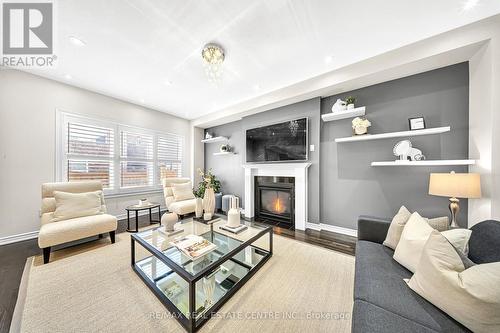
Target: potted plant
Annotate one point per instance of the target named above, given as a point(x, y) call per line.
point(350, 102)
point(207, 189)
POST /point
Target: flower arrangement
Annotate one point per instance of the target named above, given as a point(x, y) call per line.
point(209, 180)
point(360, 125)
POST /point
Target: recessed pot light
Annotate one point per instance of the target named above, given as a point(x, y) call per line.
point(168, 82)
point(328, 59)
point(77, 41)
point(256, 87)
point(68, 76)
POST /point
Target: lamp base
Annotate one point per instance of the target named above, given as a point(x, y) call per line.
point(454, 209)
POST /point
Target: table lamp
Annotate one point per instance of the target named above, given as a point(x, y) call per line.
point(455, 185)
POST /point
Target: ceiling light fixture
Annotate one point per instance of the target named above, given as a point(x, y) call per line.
point(68, 76)
point(256, 87)
point(469, 4)
point(77, 41)
point(168, 82)
point(328, 59)
point(213, 57)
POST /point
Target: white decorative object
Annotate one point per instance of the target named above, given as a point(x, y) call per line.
point(209, 201)
point(404, 150)
point(233, 215)
point(401, 149)
point(350, 106)
point(207, 216)
point(168, 221)
point(208, 135)
point(199, 208)
point(360, 125)
point(339, 105)
point(416, 155)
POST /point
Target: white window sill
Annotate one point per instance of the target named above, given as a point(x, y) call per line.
point(131, 194)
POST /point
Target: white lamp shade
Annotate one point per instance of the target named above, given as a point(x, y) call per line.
point(457, 185)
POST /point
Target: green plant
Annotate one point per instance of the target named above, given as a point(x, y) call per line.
point(209, 180)
point(350, 100)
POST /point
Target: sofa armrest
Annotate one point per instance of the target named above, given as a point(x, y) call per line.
point(373, 229)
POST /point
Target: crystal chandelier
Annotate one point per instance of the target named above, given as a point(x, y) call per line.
point(213, 56)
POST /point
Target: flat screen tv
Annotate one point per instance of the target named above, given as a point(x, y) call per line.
point(286, 141)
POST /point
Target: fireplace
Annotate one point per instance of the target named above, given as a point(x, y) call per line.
point(275, 199)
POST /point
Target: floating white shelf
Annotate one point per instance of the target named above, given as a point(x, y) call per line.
point(225, 153)
point(425, 163)
point(366, 137)
point(215, 139)
point(337, 115)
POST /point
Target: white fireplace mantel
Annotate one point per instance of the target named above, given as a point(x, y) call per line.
point(296, 170)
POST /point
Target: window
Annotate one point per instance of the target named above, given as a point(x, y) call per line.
point(125, 159)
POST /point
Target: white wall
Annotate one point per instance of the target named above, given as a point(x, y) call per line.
point(28, 106)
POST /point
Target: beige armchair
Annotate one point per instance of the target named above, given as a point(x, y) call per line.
point(180, 207)
point(57, 230)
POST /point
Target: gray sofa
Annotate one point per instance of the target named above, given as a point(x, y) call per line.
point(382, 300)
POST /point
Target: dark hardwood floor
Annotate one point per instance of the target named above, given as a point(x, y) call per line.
point(13, 258)
point(330, 240)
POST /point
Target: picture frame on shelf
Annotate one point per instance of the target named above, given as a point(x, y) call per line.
point(416, 123)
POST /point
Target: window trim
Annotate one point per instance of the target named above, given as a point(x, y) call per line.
point(62, 119)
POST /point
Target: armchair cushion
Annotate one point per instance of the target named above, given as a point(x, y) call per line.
point(183, 207)
point(77, 228)
point(182, 191)
point(71, 205)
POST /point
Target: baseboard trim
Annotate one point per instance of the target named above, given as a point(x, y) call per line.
point(34, 234)
point(18, 238)
point(313, 226)
point(332, 228)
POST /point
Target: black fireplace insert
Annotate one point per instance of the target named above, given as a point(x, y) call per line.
point(275, 199)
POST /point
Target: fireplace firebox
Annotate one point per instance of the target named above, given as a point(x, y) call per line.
point(275, 199)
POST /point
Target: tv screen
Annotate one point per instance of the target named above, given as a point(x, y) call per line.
point(285, 141)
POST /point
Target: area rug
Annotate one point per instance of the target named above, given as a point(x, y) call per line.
point(90, 288)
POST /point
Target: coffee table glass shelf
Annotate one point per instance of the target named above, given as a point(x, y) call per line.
point(194, 289)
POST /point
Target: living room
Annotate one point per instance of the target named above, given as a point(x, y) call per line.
point(331, 168)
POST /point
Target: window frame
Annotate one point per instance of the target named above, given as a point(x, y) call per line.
point(61, 155)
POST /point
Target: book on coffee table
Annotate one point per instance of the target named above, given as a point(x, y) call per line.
point(193, 246)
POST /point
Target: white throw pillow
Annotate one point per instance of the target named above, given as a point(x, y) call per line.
point(182, 191)
point(399, 221)
point(396, 228)
point(471, 296)
point(71, 205)
point(415, 235)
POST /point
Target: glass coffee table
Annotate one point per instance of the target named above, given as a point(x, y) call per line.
point(193, 290)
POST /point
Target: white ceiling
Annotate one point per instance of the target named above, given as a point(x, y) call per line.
point(133, 48)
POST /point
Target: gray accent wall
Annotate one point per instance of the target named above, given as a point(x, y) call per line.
point(342, 184)
point(351, 187)
point(229, 167)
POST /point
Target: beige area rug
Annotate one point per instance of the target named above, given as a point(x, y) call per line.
point(92, 288)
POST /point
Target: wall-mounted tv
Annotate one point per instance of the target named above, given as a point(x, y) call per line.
point(286, 141)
